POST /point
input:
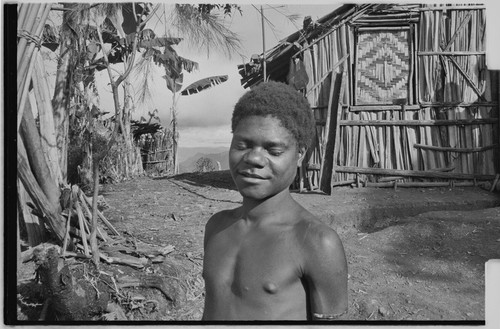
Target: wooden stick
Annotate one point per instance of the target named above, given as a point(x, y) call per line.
point(418, 122)
point(431, 159)
point(420, 184)
point(331, 71)
point(89, 213)
point(388, 145)
point(392, 178)
point(493, 186)
point(381, 142)
point(383, 28)
point(66, 236)
point(456, 149)
point(413, 173)
point(101, 216)
point(444, 8)
point(448, 53)
point(378, 108)
point(344, 182)
point(389, 179)
point(82, 228)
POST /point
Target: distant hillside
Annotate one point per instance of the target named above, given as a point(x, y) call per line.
point(189, 165)
point(187, 152)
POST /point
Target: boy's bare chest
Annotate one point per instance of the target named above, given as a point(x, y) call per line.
point(253, 265)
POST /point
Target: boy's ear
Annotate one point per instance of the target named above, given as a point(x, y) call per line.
point(302, 155)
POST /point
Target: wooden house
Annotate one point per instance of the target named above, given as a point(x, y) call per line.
point(401, 95)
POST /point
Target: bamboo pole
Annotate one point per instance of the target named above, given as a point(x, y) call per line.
point(424, 122)
point(451, 7)
point(456, 149)
point(450, 53)
point(381, 142)
point(381, 108)
point(343, 183)
point(420, 184)
point(398, 154)
point(388, 146)
point(413, 173)
point(31, 29)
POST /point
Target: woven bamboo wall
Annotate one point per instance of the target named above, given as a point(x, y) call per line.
point(443, 115)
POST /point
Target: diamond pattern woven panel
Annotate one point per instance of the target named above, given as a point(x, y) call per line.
point(382, 67)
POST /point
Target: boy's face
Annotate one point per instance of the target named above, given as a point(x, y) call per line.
point(263, 157)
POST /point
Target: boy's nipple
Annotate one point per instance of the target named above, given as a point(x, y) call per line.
point(270, 288)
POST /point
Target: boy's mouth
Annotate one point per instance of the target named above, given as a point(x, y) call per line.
point(250, 175)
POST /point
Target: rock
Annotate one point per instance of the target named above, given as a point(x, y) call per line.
point(383, 311)
point(368, 308)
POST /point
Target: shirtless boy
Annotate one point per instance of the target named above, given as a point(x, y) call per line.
point(271, 259)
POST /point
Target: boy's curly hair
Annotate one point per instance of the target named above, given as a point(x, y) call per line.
point(282, 102)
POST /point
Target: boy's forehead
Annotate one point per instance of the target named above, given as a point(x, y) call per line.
point(263, 127)
point(260, 121)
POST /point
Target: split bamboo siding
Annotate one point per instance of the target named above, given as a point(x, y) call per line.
point(405, 97)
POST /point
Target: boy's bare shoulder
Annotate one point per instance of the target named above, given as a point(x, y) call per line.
point(220, 219)
point(316, 235)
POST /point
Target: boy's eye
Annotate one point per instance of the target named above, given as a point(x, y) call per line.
point(275, 151)
point(240, 146)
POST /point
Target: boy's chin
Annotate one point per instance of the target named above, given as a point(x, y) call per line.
point(254, 193)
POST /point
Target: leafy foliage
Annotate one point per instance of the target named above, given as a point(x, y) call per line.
point(203, 84)
point(204, 165)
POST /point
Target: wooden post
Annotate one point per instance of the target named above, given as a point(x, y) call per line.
point(263, 45)
point(332, 132)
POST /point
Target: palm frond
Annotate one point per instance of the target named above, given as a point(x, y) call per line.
point(203, 84)
point(205, 30)
point(143, 78)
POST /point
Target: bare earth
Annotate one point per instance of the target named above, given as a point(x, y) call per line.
point(413, 254)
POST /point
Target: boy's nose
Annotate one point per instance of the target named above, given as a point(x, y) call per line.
point(255, 158)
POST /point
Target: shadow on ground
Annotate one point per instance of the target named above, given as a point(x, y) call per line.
point(444, 246)
point(217, 179)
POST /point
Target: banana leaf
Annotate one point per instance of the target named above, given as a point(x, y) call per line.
point(203, 84)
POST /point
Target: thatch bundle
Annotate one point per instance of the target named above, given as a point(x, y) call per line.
point(157, 152)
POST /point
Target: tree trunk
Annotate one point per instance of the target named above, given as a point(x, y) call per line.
point(46, 116)
point(50, 212)
point(38, 165)
point(60, 101)
point(34, 228)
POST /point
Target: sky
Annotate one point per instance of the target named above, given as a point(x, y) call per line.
point(204, 118)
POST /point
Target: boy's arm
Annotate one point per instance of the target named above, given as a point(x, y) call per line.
point(326, 275)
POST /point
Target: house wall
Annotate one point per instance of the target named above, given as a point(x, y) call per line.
point(446, 122)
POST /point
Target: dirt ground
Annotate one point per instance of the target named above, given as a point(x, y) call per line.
point(413, 254)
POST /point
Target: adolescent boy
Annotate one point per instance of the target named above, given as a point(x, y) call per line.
point(271, 259)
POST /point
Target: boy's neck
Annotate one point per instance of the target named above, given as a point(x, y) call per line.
point(257, 211)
